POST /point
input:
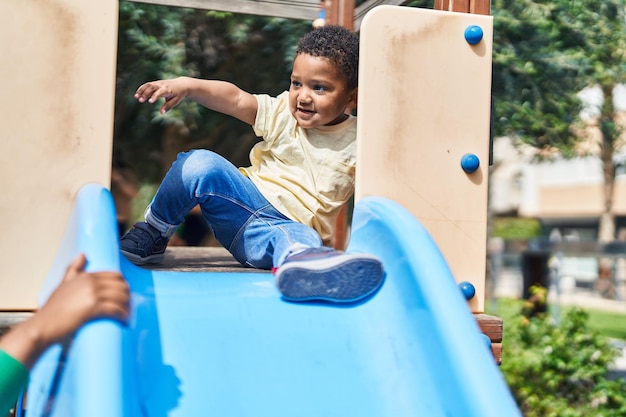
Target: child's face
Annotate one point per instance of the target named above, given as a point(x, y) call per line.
point(319, 94)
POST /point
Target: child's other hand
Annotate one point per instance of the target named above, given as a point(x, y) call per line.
point(173, 91)
point(82, 297)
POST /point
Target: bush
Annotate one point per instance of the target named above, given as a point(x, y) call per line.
point(560, 369)
point(512, 228)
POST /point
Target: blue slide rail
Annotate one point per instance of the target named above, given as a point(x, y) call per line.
point(226, 344)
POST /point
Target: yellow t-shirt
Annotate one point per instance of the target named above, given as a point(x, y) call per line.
point(307, 174)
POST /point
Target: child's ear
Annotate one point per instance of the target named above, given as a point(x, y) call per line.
point(352, 100)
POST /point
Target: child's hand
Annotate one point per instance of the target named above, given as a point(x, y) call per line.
point(173, 91)
point(82, 297)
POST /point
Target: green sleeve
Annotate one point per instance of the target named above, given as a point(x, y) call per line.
point(13, 379)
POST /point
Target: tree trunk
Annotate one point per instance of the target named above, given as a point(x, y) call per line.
point(174, 140)
point(606, 232)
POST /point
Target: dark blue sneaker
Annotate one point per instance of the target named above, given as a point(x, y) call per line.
point(328, 275)
point(143, 244)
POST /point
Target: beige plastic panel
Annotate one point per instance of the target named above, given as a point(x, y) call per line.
point(424, 102)
point(58, 73)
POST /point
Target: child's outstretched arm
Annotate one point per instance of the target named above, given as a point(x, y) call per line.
point(81, 297)
point(220, 96)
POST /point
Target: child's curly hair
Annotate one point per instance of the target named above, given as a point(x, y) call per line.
point(339, 45)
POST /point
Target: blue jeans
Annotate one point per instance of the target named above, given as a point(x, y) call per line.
point(243, 221)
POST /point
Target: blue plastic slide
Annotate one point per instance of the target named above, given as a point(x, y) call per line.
point(227, 345)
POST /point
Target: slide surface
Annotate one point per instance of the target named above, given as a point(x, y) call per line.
point(226, 344)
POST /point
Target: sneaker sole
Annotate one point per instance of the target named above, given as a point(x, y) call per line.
point(138, 260)
point(346, 279)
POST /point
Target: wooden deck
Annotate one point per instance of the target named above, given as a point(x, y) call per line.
point(9, 319)
point(200, 259)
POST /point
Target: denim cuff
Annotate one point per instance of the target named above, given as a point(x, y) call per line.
point(291, 250)
point(167, 230)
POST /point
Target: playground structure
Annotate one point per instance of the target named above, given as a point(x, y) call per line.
point(435, 121)
point(224, 342)
point(56, 129)
point(70, 142)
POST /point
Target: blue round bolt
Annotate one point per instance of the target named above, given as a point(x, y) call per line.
point(486, 340)
point(470, 163)
point(473, 34)
point(467, 289)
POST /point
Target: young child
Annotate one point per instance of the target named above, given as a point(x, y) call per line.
point(81, 297)
point(279, 212)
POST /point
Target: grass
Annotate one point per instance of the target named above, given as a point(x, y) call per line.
point(606, 323)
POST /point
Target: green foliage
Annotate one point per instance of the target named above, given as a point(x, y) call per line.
point(425, 4)
point(560, 369)
point(606, 323)
point(516, 228)
point(140, 202)
point(537, 303)
point(545, 52)
point(534, 82)
point(157, 42)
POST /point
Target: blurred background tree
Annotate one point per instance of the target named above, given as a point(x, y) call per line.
point(545, 53)
point(157, 42)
